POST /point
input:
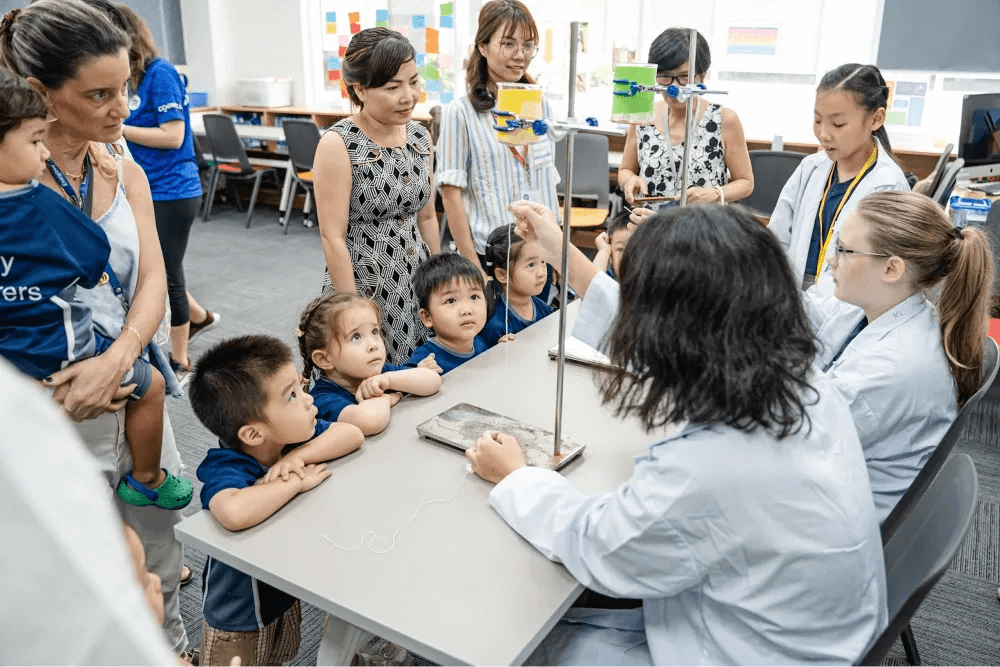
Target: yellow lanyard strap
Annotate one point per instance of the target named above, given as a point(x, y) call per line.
point(824, 246)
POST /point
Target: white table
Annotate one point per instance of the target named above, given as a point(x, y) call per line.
point(460, 586)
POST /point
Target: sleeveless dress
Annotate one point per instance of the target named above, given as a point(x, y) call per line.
point(389, 187)
point(707, 166)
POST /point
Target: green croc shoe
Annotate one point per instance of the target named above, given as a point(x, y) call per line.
point(173, 494)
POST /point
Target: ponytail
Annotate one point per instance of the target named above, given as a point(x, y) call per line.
point(7, 38)
point(913, 227)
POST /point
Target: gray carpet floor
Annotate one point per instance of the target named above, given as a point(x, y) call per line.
point(259, 280)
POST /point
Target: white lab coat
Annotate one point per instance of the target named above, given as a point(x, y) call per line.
point(744, 549)
point(794, 216)
point(896, 379)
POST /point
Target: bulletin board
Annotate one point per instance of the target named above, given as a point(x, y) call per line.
point(429, 26)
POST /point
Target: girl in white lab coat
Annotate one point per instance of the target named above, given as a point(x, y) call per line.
point(750, 534)
point(904, 366)
point(849, 122)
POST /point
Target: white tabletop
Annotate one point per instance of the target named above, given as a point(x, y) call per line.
point(260, 132)
point(460, 586)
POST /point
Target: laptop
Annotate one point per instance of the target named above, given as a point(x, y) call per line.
point(461, 425)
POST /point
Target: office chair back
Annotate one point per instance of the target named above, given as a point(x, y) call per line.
point(226, 145)
point(771, 170)
point(199, 154)
point(590, 168)
point(943, 192)
point(924, 479)
point(923, 547)
point(938, 173)
point(302, 137)
point(992, 228)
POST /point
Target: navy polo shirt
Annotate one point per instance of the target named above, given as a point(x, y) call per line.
point(331, 399)
point(447, 358)
point(506, 320)
point(161, 98)
point(833, 197)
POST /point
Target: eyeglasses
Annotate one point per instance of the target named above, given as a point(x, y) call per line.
point(841, 250)
point(669, 79)
point(510, 48)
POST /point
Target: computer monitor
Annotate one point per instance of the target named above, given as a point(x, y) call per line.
point(980, 134)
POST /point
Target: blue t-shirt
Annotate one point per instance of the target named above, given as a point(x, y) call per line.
point(833, 197)
point(447, 358)
point(331, 399)
point(231, 600)
point(48, 249)
point(161, 98)
point(506, 320)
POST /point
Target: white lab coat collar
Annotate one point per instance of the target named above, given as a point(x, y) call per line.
point(895, 317)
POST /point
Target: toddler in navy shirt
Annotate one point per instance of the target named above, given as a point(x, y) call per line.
point(519, 276)
point(343, 352)
point(272, 446)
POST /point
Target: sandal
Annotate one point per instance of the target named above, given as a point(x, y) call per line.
point(186, 575)
point(173, 494)
point(211, 319)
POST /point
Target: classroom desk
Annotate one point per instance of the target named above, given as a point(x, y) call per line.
point(460, 586)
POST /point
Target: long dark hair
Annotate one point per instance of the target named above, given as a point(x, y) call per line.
point(50, 40)
point(913, 227)
point(711, 326)
point(494, 15)
point(373, 57)
point(869, 89)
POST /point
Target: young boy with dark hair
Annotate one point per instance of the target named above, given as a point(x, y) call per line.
point(611, 244)
point(247, 392)
point(452, 299)
point(49, 249)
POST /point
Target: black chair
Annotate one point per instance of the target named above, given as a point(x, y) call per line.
point(927, 474)
point(205, 170)
point(771, 170)
point(939, 168)
point(947, 184)
point(923, 546)
point(231, 160)
point(302, 137)
point(992, 228)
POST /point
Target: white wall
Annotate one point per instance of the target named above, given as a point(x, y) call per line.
point(232, 39)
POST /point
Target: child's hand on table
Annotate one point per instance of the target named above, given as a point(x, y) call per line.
point(373, 387)
point(431, 363)
point(289, 464)
point(506, 338)
point(312, 475)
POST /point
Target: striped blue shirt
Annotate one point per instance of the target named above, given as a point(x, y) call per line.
point(470, 157)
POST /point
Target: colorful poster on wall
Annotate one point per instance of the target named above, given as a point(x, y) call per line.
point(906, 102)
point(752, 41)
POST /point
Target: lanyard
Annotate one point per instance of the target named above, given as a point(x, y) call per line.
point(828, 235)
point(520, 158)
point(85, 202)
point(109, 276)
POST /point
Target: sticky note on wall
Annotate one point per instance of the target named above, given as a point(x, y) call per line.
point(447, 8)
point(345, 40)
point(331, 17)
point(432, 41)
point(354, 17)
point(381, 14)
point(419, 21)
point(355, 28)
point(421, 59)
point(331, 28)
point(447, 22)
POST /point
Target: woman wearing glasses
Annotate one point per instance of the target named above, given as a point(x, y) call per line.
point(904, 363)
point(719, 163)
point(480, 176)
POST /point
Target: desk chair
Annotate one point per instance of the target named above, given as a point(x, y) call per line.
point(771, 170)
point(590, 181)
point(947, 184)
point(205, 170)
point(302, 137)
point(227, 148)
point(925, 478)
point(923, 546)
point(939, 168)
point(992, 228)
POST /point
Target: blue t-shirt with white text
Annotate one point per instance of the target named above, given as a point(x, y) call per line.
point(48, 250)
point(161, 98)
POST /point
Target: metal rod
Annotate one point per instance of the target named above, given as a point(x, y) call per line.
point(574, 38)
point(692, 110)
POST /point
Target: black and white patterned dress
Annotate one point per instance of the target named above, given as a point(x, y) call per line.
point(389, 187)
point(707, 162)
